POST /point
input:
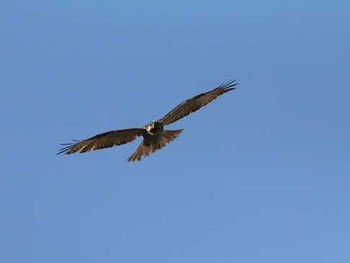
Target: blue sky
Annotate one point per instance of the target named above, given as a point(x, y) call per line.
point(260, 175)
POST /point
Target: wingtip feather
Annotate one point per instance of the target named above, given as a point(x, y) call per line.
point(229, 85)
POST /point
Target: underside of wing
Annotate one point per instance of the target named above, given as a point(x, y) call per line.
point(195, 103)
point(101, 141)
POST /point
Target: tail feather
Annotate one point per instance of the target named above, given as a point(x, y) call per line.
point(148, 147)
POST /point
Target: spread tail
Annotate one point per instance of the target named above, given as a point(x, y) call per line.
point(148, 147)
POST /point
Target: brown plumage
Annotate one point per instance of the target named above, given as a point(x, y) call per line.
point(195, 103)
point(103, 140)
point(147, 147)
point(154, 135)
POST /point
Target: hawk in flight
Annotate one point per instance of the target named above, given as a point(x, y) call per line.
point(153, 133)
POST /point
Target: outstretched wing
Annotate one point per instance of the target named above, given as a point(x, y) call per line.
point(101, 141)
point(193, 104)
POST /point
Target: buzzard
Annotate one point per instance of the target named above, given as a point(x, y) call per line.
point(153, 133)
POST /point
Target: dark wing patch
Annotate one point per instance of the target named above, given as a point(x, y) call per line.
point(195, 103)
point(101, 141)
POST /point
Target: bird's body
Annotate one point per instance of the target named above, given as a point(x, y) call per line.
point(154, 135)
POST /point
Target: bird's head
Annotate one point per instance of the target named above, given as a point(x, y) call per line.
point(154, 126)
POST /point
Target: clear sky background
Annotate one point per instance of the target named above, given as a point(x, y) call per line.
point(260, 175)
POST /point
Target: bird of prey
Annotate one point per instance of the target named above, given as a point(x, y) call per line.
point(154, 135)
